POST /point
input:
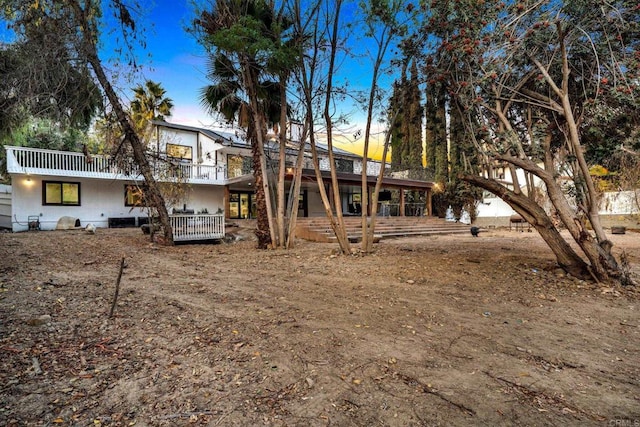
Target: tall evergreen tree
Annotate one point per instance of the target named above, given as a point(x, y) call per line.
point(406, 139)
point(414, 120)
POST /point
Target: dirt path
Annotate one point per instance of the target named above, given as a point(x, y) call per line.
point(452, 330)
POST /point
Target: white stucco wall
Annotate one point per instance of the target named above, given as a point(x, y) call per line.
point(204, 149)
point(613, 206)
point(100, 200)
point(494, 207)
point(620, 203)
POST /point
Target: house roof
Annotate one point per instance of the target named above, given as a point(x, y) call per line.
point(226, 138)
point(234, 138)
point(355, 179)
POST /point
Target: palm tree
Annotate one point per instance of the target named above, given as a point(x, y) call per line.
point(228, 98)
point(150, 103)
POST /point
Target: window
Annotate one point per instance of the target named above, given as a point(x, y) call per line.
point(179, 151)
point(58, 193)
point(134, 195)
point(239, 165)
point(344, 165)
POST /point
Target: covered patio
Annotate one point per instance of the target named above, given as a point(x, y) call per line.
point(351, 184)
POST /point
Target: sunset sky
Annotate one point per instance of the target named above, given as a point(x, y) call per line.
point(174, 59)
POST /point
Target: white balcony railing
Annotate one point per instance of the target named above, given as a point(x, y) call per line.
point(65, 163)
point(197, 227)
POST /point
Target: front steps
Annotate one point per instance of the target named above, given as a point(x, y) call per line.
point(318, 229)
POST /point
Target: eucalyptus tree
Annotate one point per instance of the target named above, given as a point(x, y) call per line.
point(72, 28)
point(320, 22)
point(41, 80)
point(385, 23)
point(524, 75)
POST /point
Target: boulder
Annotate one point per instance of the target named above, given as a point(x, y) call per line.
point(67, 223)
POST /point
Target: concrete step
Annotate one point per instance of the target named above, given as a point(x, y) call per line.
point(319, 229)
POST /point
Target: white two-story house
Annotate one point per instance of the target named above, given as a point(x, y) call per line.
point(211, 167)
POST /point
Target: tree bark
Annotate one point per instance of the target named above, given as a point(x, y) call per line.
point(260, 168)
point(566, 257)
point(376, 191)
point(602, 266)
point(280, 217)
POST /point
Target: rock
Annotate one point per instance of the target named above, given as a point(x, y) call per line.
point(559, 272)
point(39, 321)
point(67, 223)
point(146, 228)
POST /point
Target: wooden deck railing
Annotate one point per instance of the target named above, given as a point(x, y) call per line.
point(65, 163)
point(197, 227)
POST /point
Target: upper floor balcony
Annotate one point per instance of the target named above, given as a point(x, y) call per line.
point(35, 161)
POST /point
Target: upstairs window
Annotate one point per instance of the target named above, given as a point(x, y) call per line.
point(344, 165)
point(239, 165)
point(183, 152)
point(59, 193)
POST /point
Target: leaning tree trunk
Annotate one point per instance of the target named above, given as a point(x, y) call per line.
point(566, 257)
point(376, 191)
point(602, 264)
point(153, 192)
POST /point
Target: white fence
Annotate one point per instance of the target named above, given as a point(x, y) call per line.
point(197, 227)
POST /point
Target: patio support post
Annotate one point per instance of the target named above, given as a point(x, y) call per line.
point(227, 202)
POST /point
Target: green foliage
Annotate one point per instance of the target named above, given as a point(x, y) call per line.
point(43, 84)
point(484, 53)
point(406, 139)
point(461, 196)
point(249, 43)
point(41, 75)
point(149, 103)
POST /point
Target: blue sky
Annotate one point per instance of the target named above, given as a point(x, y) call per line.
point(173, 58)
point(176, 60)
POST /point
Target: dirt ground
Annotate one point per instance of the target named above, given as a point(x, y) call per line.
point(449, 330)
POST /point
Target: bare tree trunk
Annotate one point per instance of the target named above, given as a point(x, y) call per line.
point(309, 66)
point(601, 267)
point(376, 191)
point(294, 194)
point(382, 48)
point(338, 223)
point(280, 217)
point(592, 208)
